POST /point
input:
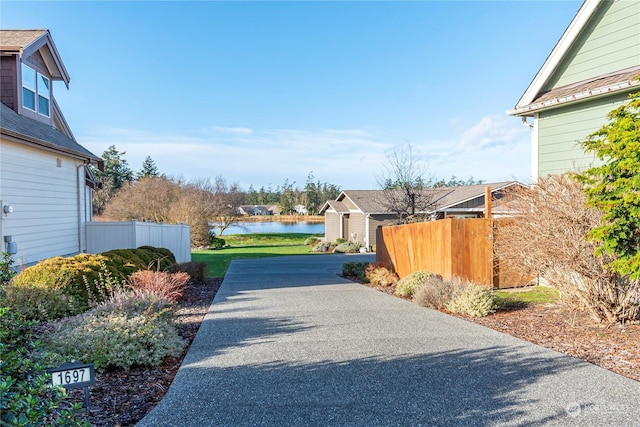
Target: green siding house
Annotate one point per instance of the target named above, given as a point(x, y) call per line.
point(592, 70)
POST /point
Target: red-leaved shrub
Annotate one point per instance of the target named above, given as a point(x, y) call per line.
point(166, 285)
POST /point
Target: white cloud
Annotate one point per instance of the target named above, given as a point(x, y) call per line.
point(347, 158)
point(232, 130)
point(496, 130)
point(494, 149)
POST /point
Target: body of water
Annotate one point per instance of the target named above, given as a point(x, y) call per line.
point(275, 227)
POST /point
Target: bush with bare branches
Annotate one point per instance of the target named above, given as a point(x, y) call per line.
point(196, 203)
point(380, 275)
point(548, 237)
point(169, 286)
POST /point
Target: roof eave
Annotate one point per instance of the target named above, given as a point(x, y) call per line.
point(18, 137)
point(493, 190)
point(52, 58)
point(529, 110)
point(559, 51)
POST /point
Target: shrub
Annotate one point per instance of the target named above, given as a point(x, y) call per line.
point(169, 286)
point(217, 242)
point(75, 277)
point(323, 246)
point(549, 238)
point(340, 240)
point(131, 328)
point(39, 302)
point(127, 261)
point(347, 248)
point(380, 275)
point(196, 270)
point(436, 293)
point(473, 300)
point(409, 284)
point(311, 241)
point(355, 269)
point(26, 397)
point(84, 279)
point(6, 271)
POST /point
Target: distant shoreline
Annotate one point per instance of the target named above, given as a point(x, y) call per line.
point(314, 219)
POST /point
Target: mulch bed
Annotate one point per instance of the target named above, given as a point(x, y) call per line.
point(122, 398)
point(613, 347)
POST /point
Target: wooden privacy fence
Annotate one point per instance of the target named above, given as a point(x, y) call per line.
point(104, 236)
point(449, 247)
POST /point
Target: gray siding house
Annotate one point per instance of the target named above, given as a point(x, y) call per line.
point(45, 182)
point(591, 70)
point(356, 214)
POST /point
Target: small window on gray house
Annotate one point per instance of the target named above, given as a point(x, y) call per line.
point(28, 88)
point(35, 85)
point(44, 95)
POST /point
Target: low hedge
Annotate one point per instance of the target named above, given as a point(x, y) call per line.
point(130, 328)
point(83, 280)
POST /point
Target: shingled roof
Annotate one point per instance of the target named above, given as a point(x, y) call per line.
point(372, 201)
point(25, 43)
point(19, 39)
point(24, 128)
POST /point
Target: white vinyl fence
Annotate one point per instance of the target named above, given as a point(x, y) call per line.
point(104, 236)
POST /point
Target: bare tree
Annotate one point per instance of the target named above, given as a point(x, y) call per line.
point(197, 203)
point(548, 238)
point(149, 199)
point(228, 197)
point(406, 186)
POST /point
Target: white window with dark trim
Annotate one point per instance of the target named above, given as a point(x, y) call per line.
point(36, 91)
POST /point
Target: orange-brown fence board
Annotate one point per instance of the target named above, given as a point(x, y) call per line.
point(449, 247)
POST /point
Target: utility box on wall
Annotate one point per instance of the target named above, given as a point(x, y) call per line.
point(12, 248)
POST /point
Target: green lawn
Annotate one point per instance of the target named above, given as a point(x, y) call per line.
point(242, 246)
point(518, 298)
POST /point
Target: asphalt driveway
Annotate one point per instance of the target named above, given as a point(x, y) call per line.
point(287, 342)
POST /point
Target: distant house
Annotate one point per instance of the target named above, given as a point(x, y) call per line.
point(45, 182)
point(591, 70)
point(356, 214)
point(254, 210)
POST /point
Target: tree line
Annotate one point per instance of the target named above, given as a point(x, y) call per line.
point(148, 195)
point(311, 197)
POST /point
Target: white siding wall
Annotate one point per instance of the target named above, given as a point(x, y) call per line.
point(44, 196)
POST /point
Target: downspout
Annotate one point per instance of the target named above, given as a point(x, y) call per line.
point(534, 148)
point(79, 207)
point(341, 218)
point(367, 234)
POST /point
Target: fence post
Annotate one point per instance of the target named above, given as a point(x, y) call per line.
point(487, 201)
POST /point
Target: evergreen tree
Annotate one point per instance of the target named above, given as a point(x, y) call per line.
point(614, 187)
point(252, 196)
point(115, 174)
point(149, 169)
point(116, 168)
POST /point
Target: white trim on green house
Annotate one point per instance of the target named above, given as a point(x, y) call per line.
point(559, 51)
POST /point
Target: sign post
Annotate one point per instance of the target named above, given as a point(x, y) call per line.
point(74, 375)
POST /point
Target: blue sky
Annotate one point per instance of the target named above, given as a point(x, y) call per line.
point(260, 92)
